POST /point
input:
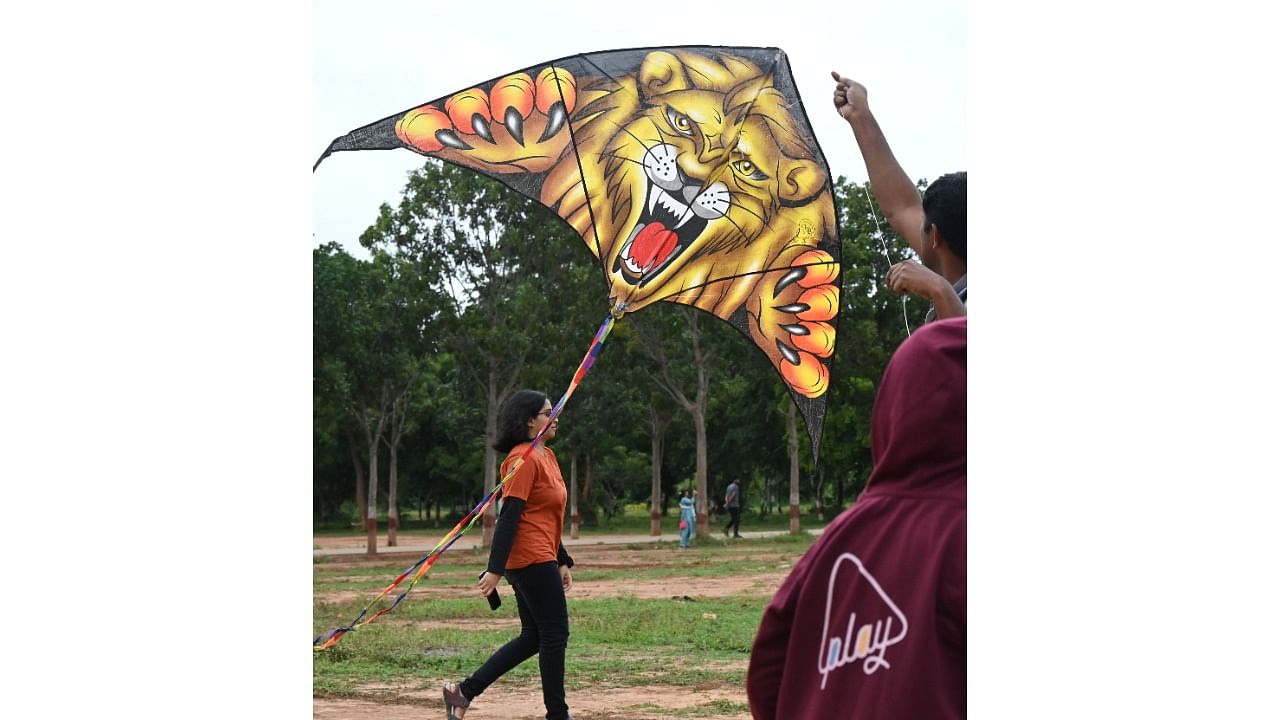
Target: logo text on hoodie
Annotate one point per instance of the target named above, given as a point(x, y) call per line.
point(871, 630)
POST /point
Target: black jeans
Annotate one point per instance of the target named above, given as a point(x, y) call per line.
point(544, 630)
point(735, 518)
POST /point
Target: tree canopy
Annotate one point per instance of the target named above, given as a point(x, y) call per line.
point(473, 291)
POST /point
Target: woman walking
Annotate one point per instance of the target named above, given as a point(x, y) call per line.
point(688, 503)
point(528, 551)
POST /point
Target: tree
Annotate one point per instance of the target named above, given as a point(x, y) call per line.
point(662, 339)
point(400, 417)
point(660, 416)
point(348, 366)
point(502, 251)
point(473, 291)
point(872, 325)
point(793, 454)
point(372, 319)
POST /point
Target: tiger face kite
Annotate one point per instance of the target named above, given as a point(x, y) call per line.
point(691, 173)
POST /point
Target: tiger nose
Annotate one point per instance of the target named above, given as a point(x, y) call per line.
point(711, 154)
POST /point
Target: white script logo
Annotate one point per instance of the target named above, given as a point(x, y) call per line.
point(873, 637)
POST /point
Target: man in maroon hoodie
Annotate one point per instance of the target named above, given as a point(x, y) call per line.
point(871, 621)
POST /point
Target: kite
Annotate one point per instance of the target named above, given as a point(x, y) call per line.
point(692, 175)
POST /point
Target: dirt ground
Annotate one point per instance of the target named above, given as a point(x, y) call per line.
point(508, 700)
point(504, 702)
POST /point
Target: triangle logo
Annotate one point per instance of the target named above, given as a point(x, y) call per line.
point(869, 631)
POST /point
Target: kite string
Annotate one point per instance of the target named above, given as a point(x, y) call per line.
point(425, 563)
point(884, 246)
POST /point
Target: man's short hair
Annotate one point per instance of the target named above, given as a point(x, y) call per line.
point(946, 206)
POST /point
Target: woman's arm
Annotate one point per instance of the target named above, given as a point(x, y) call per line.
point(504, 535)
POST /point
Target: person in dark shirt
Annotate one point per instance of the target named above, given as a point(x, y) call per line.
point(733, 505)
point(935, 226)
point(871, 622)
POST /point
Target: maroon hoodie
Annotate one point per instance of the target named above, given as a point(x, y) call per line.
point(871, 621)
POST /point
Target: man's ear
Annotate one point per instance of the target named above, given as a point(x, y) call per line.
point(932, 236)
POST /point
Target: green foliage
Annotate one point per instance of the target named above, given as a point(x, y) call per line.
point(871, 326)
point(474, 290)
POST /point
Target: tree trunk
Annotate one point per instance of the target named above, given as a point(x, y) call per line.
point(658, 426)
point(697, 407)
point(655, 485)
point(574, 520)
point(793, 451)
point(399, 415)
point(362, 500)
point(700, 428)
point(393, 511)
point(373, 439)
point(586, 486)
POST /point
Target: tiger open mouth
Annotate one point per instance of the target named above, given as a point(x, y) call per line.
point(666, 228)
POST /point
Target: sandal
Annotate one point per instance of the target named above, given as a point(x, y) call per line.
point(454, 700)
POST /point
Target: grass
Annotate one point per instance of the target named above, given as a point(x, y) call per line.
point(701, 561)
point(715, 707)
point(615, 641)
point(705, 554)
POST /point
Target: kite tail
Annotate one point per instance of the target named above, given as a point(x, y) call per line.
point(419, 569)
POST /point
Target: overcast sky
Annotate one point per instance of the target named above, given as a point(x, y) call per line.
point(910, 55)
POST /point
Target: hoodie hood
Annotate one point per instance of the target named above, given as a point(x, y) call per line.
point(919, 435)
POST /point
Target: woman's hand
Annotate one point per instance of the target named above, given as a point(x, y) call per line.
point(566, 577)
point(488, 582)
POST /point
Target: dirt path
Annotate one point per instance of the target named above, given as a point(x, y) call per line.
point(504, 702)
point(419, 542)
point(511, 700)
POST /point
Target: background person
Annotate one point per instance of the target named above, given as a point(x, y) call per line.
point(688, 516)
point(733, 505)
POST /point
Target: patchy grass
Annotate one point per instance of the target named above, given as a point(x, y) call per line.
point(715, 707)
point(615, 642)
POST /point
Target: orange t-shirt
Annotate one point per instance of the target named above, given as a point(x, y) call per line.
point(539, 483)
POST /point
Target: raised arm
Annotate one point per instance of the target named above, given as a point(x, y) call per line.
point(897, 195)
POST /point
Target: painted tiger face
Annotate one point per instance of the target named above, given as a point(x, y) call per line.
point(695, 177)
